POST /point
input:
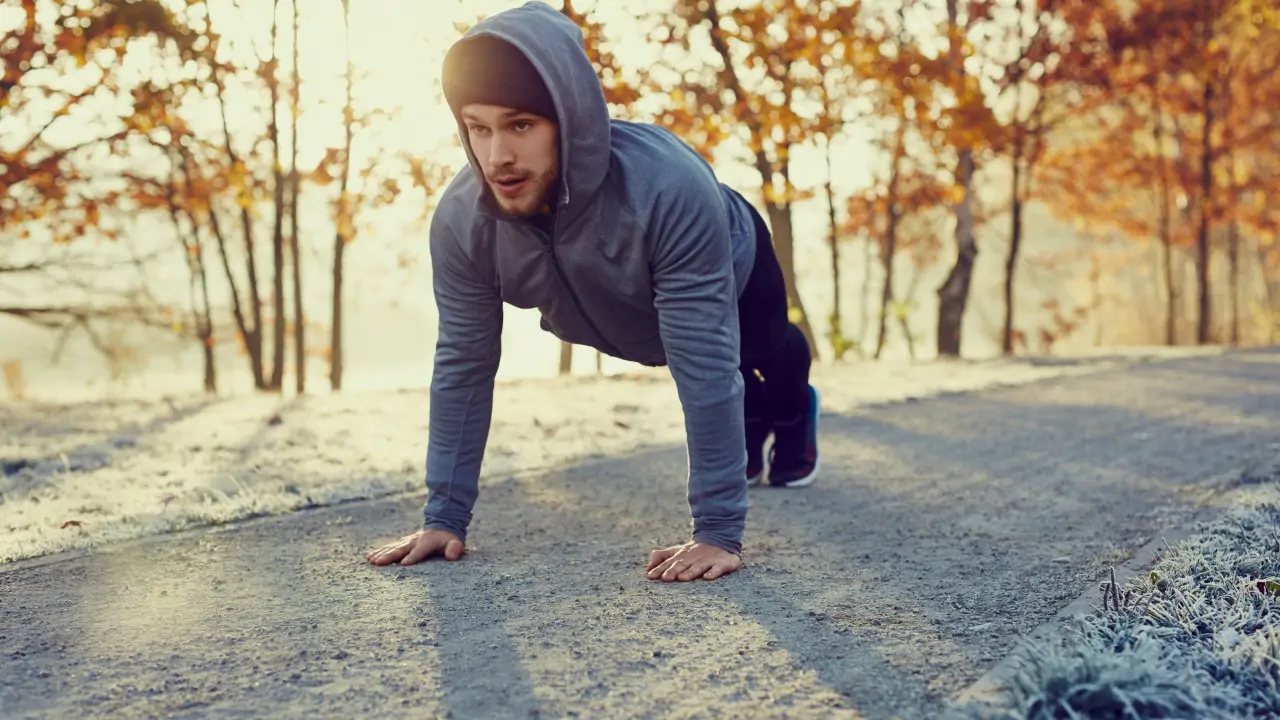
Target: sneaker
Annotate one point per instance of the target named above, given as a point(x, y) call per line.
point(793, 459)
point(757, 435)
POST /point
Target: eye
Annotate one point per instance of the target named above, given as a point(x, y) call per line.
point(477, 129)
point(522, 125)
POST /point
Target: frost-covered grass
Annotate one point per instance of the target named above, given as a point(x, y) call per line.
point(1197, 637)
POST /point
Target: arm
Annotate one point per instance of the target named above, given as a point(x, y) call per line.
point(468, 349)
point(696, 299)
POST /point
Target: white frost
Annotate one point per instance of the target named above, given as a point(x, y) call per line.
point(78, 475)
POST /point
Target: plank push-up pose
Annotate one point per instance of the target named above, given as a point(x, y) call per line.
point(624, 239)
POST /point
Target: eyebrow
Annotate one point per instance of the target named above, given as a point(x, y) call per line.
point(506, 115)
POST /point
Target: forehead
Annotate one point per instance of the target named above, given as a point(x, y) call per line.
point(492, 113)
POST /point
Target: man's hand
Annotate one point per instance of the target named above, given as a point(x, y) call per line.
point(417, 547)
point(691, 561)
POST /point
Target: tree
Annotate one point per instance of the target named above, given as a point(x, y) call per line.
point(345, 212)
point(57, 61)
point(188, 238)
point(1176, 114)
point(759, 93)
point(299, 314)
point(1052, 72)
point(229, 172)
point(965, 129)
point(269, 71)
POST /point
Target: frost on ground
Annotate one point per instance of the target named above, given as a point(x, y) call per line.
point(76, 475)
point(1197, 637)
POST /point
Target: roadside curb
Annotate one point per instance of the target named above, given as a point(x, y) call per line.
point(1214, 501)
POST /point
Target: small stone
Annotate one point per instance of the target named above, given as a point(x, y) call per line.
point(1062, 560)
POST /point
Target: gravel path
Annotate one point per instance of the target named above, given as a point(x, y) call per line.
point(942, 530)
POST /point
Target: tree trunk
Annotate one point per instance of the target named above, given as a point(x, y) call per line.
point(335, 330)
point(780, 220)
point(953, 295)
point(345, 224)
point(864, 323)
point(206, 325)
point(1095, 292)
point(1233, 258)
point(250, 335)
point(193, 253)
point(1019, 146)
point(566, 358)
point(779, 212)
point(277, 228)
point(904, 318)
point(599, 363)
point(1015, 244)
point(886, 262)
point(299, 316)
point(1203, 324)
point(1269, 294)
point(906, 333)
point(838, 344)
point(1166, 236)
point(890, 250)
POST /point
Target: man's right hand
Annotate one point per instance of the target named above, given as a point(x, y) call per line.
point(417, 547)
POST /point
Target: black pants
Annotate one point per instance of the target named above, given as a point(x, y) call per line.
point(775, 357)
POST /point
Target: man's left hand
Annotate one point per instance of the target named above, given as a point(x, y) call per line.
point(691, 561)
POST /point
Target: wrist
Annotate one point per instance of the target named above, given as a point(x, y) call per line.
point(732, 547)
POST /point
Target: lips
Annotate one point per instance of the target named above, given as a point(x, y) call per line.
point(510, 187)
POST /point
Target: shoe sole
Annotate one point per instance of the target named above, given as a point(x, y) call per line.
point(812, 477)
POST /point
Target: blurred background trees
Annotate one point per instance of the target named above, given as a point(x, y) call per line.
point(233, 189)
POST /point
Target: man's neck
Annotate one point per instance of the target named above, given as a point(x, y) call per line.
point(543, 220)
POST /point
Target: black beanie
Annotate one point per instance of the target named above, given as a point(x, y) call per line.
point(490, 71)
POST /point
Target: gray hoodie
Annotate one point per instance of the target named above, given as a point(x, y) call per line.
point(646, 259)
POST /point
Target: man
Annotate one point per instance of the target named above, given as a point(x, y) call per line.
point(621, 235)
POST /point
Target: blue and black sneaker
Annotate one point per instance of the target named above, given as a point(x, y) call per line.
point(793, 459)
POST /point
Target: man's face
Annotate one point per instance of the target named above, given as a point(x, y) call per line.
point(519, 153)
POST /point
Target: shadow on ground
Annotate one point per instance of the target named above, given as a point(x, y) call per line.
point(941, 531)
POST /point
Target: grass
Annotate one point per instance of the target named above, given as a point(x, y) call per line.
point(1198, 637)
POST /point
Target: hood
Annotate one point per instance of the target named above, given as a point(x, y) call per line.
point(554, 45)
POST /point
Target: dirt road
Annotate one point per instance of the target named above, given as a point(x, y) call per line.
point(940, 531)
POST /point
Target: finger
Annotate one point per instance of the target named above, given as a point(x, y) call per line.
point(657, 557)
point(721, 569)
point(388, 554)
point(695, 570)
point(453, 550)
point(379, 555)
point(673, 570)
point(661, 568)
point(421, 551)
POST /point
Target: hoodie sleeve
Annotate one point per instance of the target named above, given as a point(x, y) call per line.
point(468, 350)
point(696, 299)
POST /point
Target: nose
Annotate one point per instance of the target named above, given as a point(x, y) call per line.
point(500, 151)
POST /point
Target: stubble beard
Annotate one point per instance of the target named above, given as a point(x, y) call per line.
point(530, 203)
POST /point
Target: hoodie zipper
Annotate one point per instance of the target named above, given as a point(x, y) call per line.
point(564, 280)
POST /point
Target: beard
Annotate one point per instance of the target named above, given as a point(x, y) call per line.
point(532, 198)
